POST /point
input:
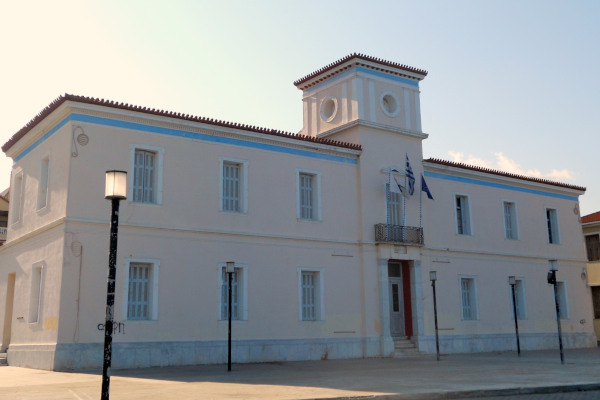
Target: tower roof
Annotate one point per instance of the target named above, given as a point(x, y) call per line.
point(357, 59)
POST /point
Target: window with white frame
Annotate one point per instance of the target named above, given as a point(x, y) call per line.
point(463, 214)
point(42, 197)
point(563, 305)
point(146, 164)
point(234, 185)
point(520, 299)
point(511, 230)
point(394, 206)
point(552, 225)
point(310, 285)
point(468, 296)
point(141, 285)
point(239, 294)
point(309, 195)
point(16, 198)
point(35, 293)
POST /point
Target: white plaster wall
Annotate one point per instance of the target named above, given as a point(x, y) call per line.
point(45, 249)
point(58, 148)
point(191, 183)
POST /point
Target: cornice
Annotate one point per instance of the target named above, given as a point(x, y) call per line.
point(374, 125)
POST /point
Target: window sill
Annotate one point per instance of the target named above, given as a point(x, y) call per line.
point(233, 321)
point(139, 203)
point(233, 212)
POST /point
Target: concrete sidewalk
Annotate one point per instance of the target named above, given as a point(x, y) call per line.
point(401, 378)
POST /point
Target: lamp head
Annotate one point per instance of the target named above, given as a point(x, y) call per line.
point(116, 185)
point(432, 276)
point(230, 267)
point(512, 280)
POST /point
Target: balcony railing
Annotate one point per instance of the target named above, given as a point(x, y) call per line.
point(398, 234)
point(3, 231)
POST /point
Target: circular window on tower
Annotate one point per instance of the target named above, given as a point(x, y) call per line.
point(390, 104)
point(329, 108)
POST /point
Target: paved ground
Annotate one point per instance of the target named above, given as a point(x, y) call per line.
point(591, 395)
point(455, 376)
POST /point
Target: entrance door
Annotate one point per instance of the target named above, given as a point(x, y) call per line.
point(10, 294)
point(396, 300)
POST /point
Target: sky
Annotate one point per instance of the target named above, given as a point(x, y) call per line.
point(512, 85)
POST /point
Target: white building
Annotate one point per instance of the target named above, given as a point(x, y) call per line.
point(330, 263)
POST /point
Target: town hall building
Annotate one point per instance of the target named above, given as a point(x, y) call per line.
point(334, 232)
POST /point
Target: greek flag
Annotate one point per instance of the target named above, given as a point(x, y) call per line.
point(411, 177)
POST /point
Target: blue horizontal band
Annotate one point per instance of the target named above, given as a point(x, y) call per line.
point(186, 134)
point(497, 185)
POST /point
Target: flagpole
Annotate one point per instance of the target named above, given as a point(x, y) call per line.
point(421, 204)
point(387, 205)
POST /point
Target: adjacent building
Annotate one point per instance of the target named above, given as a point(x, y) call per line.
point(332, 231)
point(591, 232)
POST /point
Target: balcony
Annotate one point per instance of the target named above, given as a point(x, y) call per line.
point(409, 235)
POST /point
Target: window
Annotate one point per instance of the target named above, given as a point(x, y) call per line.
point(16, 198)
point(563, 306)
point(592, 245)
point(35, 292)
point(42, 198)
point(463, 217)
point(309, 198)
point(468, 298)
point(394, 207)
point(234, 192)
point(520, 299)
point(511, 230)
point(596, 301)
point(310, 284)
point(146, 164)
point(141, 285)
point(552, 225)
point(239, 297)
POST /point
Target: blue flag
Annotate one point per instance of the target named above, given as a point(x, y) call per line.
point(410, 176)
point(424, 188)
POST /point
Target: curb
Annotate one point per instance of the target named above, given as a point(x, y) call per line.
point(466, 394)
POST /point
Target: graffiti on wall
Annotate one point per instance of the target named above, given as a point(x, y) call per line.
point(118, 327)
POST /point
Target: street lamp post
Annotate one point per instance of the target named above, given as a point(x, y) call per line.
point(552, 281)
point(230, 271)
point(115, 191)
point(433, 278)
point(512, 282)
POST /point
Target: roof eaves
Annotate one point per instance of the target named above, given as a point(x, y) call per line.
point(124, 106)
point(360, 57)
point(502, 173)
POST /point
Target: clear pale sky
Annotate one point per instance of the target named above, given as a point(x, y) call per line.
point(512, 85)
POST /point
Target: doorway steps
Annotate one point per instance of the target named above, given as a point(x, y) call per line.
point(404, 347)
point(3, 359)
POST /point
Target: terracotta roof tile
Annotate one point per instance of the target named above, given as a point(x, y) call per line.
point(358, 56)
point(594, 217)
point(123, 106)
point(502, 173)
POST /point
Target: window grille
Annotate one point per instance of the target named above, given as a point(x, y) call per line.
point(307, 196)
point(309, 312)
point(551, 222)
point(462, 215)
point(144, 176)
point(394, 207)
point(231, 187)
point(235, 294)
point(468, 299)
point(509, 220)
point(138, 302)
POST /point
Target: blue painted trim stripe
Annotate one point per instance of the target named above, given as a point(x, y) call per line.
point(185, 134)
point(496, 185)
point(43, 138)
point(370, 72)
